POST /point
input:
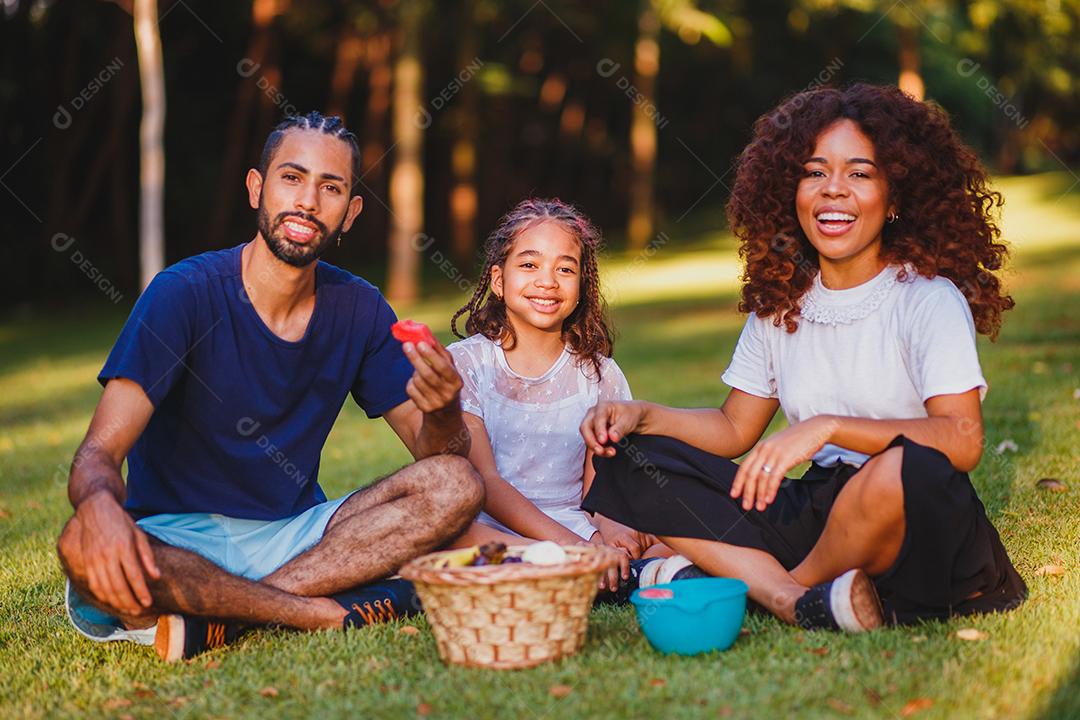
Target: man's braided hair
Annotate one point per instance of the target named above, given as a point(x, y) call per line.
point(331, 125)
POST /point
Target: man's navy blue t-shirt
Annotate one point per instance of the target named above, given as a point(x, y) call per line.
point(240, 415)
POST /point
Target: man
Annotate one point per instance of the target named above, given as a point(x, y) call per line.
point(220, 393)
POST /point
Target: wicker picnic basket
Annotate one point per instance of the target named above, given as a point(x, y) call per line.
point(509, 616)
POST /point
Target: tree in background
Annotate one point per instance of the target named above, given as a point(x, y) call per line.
point(407, 174)
point(690, 24)
point(151, 149)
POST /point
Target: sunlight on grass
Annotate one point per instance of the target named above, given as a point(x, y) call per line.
point(677, 324)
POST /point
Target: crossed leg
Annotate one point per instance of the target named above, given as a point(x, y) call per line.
point(374, 532)
point(865, 530)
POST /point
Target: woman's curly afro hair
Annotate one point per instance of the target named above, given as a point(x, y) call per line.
point(946, 208)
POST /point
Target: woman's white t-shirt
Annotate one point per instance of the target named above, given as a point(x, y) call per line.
point(532, 423)
point(877, 350)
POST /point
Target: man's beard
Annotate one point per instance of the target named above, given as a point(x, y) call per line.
point(289, 252)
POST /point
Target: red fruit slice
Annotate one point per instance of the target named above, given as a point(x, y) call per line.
point(414, 332)
point(656, 594)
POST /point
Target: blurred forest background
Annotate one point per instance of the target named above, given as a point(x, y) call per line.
point(632, 109)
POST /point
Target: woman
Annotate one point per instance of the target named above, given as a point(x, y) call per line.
point(866, 229)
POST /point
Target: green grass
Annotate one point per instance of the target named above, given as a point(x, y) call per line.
point(678, 325)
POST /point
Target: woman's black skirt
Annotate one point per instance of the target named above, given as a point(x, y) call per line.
point(951, 561)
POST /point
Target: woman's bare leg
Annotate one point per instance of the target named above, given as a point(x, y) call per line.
point(865, 528)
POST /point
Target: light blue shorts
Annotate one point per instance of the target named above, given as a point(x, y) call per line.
point(249, 548)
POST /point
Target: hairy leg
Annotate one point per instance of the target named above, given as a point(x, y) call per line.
point(865, 528)
point(192, 585)
point(378, 529)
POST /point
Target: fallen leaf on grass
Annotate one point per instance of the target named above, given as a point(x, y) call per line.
point(1076, 394)
point(116, 703)
point(918, 638)
point(560, 691)
point(269, 691)
point(872, 696)
point(144, 692)
point(840, 706)
point(658, 682)
point(1051, 484)
point(823, 650)
point(423, 709)
point(971, 634)
point(1051, 570)
point(127, 716)
point(1006, 444)
point(4, 514)
point(213, 664)
point(179, 701)
point(916, 705)
point(409, 630)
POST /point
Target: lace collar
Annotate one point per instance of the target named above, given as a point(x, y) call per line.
point(843, 307)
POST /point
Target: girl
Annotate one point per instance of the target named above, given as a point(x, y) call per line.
point(870, 256)
point(538, 356)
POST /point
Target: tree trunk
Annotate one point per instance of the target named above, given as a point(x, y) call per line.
point(911, 80)
point(463, 196)
point(151, 148)
point(347, 56)
point(238, 138)
point(407, 175)
point(643, 129)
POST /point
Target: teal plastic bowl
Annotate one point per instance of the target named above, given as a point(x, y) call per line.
point(704, 614)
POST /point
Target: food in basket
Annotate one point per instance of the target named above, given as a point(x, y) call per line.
point(544, 553)
point(495, 553)
point(459, 558)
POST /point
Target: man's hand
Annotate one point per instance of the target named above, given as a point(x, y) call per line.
point(607, 423)
point(116, 555)
point(436, 384)
point(761, 472)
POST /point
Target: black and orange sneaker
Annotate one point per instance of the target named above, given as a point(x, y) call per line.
point(379, 602)
point(180, 637)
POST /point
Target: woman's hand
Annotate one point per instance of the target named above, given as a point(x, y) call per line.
point(607, 423)
point(760, 474)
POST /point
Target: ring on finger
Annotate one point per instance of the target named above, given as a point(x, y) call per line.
point(766, 469)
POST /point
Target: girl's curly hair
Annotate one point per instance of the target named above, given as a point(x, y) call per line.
point(586, 329)
point(946, 208)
